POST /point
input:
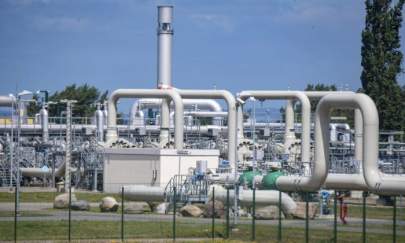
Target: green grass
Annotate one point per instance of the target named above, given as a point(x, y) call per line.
point(58, 230)
point(24, 214)
point(50, 196)
point(373, 212)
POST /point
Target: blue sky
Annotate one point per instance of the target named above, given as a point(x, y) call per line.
point(229, 44)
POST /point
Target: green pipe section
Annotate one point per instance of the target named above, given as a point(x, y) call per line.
point(247, 178)
point(269, 180)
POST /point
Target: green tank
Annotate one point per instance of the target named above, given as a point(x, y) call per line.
point(247, 177)
point(269, 180)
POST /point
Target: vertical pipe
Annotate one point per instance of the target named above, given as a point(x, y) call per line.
point(394, 221)
point(227, 213)
point(164, 76)
point(364, 218)
point(289, 135)
point(95, 180)
point(335, 218)
point(68, 144)
point(174, 213)
point(44, 124)
point(239, 112)
point(306, 218)
point(213, 214)
point(279, 236)
point(122, 214)
point(99, 123)
point(358, 136)
point(254, 215)
point(70, 214)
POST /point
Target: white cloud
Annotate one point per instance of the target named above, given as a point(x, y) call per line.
point(221, 21)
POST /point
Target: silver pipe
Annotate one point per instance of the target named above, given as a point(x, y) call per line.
point(189, 104)
point(7, 101)
point(99, 123)
point(306, 113)
point(44, 124)
point(165, 35)
point(231, 102)
point(112, 133)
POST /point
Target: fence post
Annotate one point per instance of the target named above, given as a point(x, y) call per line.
point(15, 213)
point(254, 215)
point(174, 212)
point(364, 218)
point(213, 214)
point(335, 218)
point(306, 218)
point(122, 214)
point(70, 213)
point(227, 213)
point(394, 221)
point(279, 236)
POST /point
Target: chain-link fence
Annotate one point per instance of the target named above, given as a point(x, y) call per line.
point(144, 212)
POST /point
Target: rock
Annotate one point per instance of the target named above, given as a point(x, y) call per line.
point(80, 205)
point(62, 201)
point(161, 208)
point(191, 211)
point(268, 212)
point(136, 208)
point(218, 209)
point(108, 204)
point(300, 210)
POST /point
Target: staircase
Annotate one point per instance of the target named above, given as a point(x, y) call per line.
point(189, 189)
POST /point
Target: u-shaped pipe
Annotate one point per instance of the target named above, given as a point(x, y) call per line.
point(231, 103)
point(377, 181)
point(146, 93)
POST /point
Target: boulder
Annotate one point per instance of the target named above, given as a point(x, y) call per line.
point(161, 208)
point(108, 204)
point(136, 207)
point(268, 212)
point(62, 201)
point(218, 211)
point(191, 211)
point(80, 205)
point(300, 210)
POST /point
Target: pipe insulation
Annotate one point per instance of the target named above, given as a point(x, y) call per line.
point(112, 133)
point(377, 181)
point(306, 112)
point(144, 193)
point(345, 181)
point(289, 135)
point(231, 103)
point(262, 198)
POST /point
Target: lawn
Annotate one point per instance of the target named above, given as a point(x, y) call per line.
point(58, 230)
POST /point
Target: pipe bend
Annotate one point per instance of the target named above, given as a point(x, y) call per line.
point(146, 93)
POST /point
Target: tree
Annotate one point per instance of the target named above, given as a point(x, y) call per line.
point(85, 95)
point(381, 61)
